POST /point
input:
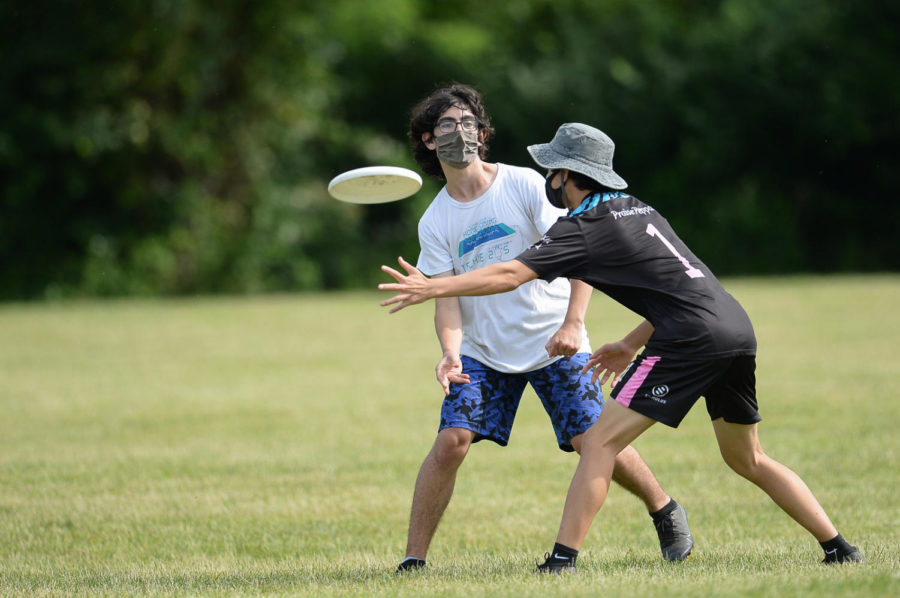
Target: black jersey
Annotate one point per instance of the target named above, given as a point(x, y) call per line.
point(625, 248)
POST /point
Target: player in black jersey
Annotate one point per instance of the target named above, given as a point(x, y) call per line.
point(697, 339)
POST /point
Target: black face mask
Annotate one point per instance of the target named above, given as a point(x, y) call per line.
point(555, 196)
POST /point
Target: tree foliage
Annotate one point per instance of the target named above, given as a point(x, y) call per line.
point(175, 147)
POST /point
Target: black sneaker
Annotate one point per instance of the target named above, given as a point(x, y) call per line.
point(675, 539)
point(837, 556)
point(556, 564)
point(410, 564)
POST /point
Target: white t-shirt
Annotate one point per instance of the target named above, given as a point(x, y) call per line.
point(507, 331)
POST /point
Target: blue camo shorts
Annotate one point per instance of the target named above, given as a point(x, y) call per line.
point(487, 405)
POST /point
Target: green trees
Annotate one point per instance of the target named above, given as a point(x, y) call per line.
point(183, 147)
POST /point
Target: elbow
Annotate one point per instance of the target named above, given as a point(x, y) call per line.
point(514, 277)
point(509, 282)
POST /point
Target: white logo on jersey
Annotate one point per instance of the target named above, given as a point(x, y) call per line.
point(631, 212)
point(545, 240)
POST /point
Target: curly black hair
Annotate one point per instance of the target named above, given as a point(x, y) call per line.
point(424, 117)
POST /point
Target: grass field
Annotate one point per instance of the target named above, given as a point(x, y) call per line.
point(268, 446)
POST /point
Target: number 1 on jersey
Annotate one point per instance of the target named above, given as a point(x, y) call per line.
point(691, 271)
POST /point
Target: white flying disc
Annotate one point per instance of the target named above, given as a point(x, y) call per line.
point(374, 184)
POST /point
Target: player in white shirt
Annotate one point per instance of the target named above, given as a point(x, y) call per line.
point(493, 346)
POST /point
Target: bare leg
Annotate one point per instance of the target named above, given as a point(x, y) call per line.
point(434, 487)
point(633, 474)
point(616, 428)
point(742, 452)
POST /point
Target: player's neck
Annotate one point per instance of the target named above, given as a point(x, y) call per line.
point(575, 196)
point(471, 182)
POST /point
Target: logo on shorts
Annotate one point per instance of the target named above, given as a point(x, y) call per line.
point(659, 391)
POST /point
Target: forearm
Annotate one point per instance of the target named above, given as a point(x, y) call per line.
point(490, 280)
point(414, 287)
point(579, 299)
point(448, 325)
point(638, 337)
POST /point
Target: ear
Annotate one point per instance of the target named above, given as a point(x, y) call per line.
point(428, 141)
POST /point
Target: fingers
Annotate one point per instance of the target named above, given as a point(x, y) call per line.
point(454, 377)
point(443, 377)
point(396, 274)
point(410, 269)
point(406, 265)
point(599, 369)
point(388, 270)
point(556, 347)
point(405, 284)
point(402, 305)
point(602, 373)
point(591, 363)
point(392, 300)
point(550, 347)
point(403, 300)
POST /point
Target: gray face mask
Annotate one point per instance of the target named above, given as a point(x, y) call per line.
point(457, 149)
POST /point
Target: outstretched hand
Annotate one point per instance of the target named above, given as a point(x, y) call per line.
point(449, 369)
point(610, 360)
point(413, 287)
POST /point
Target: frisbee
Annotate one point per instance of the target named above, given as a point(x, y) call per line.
point(374, 184)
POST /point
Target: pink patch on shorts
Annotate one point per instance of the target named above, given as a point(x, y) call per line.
point(643, 370)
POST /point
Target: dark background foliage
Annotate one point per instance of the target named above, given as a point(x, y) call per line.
point(184, 146)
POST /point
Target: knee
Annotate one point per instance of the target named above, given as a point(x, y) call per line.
point(451, 447)
point(596, 441)
point(744, 463)
point(575, 441)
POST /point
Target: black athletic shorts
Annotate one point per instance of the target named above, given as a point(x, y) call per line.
point(665, 388)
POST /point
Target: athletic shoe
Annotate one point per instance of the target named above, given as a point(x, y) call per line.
point(675, 539)
point(556, 564)
point(843, 556)
point(410, 564)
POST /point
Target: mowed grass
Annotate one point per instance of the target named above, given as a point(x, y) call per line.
point(269, 446)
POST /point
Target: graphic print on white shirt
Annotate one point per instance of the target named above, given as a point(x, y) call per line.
point(486, 242)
